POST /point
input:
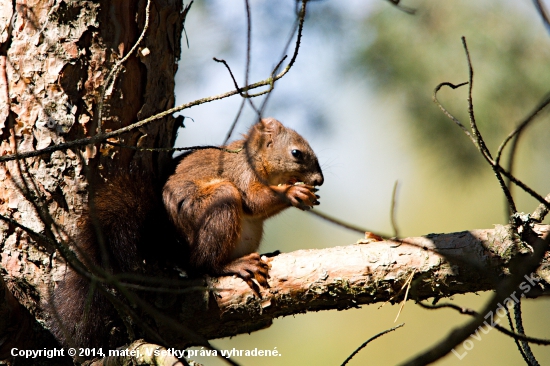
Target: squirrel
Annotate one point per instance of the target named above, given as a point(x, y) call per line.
point(209, 214)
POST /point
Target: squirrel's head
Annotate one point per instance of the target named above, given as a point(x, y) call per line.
point(282, 154)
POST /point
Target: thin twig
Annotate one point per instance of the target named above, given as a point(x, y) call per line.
point(516, 341)
point(542, 210)
point(515, 137)
point(408, 284)
point(246, 95)
point(530, 357)
point(477, 134)
point(344, 224)
point(524, 186)
point(234, 123)
point(248, 43)
point(184, 13)
point(521, 126)
point(446, 112)
point(510, 168)
point(500, 328)
point(543, 13)
point(392, 210)
point(172, 149)
point(404, 9)
point(370, 340)
point(479, 143)
point(301, 17)
point(299, 26)
point(230, 74)
point(242, 92)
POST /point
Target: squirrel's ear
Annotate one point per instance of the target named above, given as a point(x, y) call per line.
point(269, 127)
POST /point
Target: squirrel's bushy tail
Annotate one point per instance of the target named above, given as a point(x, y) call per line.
point(123, 227)
point(81, 316)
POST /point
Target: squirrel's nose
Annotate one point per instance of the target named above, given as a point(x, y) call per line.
point(318, 179)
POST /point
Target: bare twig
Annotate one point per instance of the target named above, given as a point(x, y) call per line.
point(299, 26)
point(498, 169)
point(230, 74)
point(446, 112)
point(541, 211)
point(477, 134)
point(543, 13)
point(524, 186)
point(408, 285)
point(248, 96)
point(529, 356)
point(516, 341)
point(392, 210)
point(515, 137)
point(344, 224)
point(248, 43)
point(368, 341)
point(500, 328)
point(244, 92)
point(521, 126)
point(234, 123)
point(301, 18)
point(184, 13)
point(403, 8)
point(172, 149)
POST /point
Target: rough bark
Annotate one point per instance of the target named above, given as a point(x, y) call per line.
point(54, 59)
point(349, 276)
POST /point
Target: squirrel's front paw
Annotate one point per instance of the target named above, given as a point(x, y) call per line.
point(303, 196)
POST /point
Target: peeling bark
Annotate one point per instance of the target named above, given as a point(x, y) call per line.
point(54, 59)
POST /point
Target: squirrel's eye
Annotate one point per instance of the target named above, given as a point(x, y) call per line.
point(297, 154)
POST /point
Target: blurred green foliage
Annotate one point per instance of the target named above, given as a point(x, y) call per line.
point(407, 56)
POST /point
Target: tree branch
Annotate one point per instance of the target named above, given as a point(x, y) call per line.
point(348, 276)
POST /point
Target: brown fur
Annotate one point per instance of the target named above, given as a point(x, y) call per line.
point(216, 199)
point(209, 219)
point(132, 225)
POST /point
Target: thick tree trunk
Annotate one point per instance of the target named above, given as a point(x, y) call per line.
point(54, 60)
